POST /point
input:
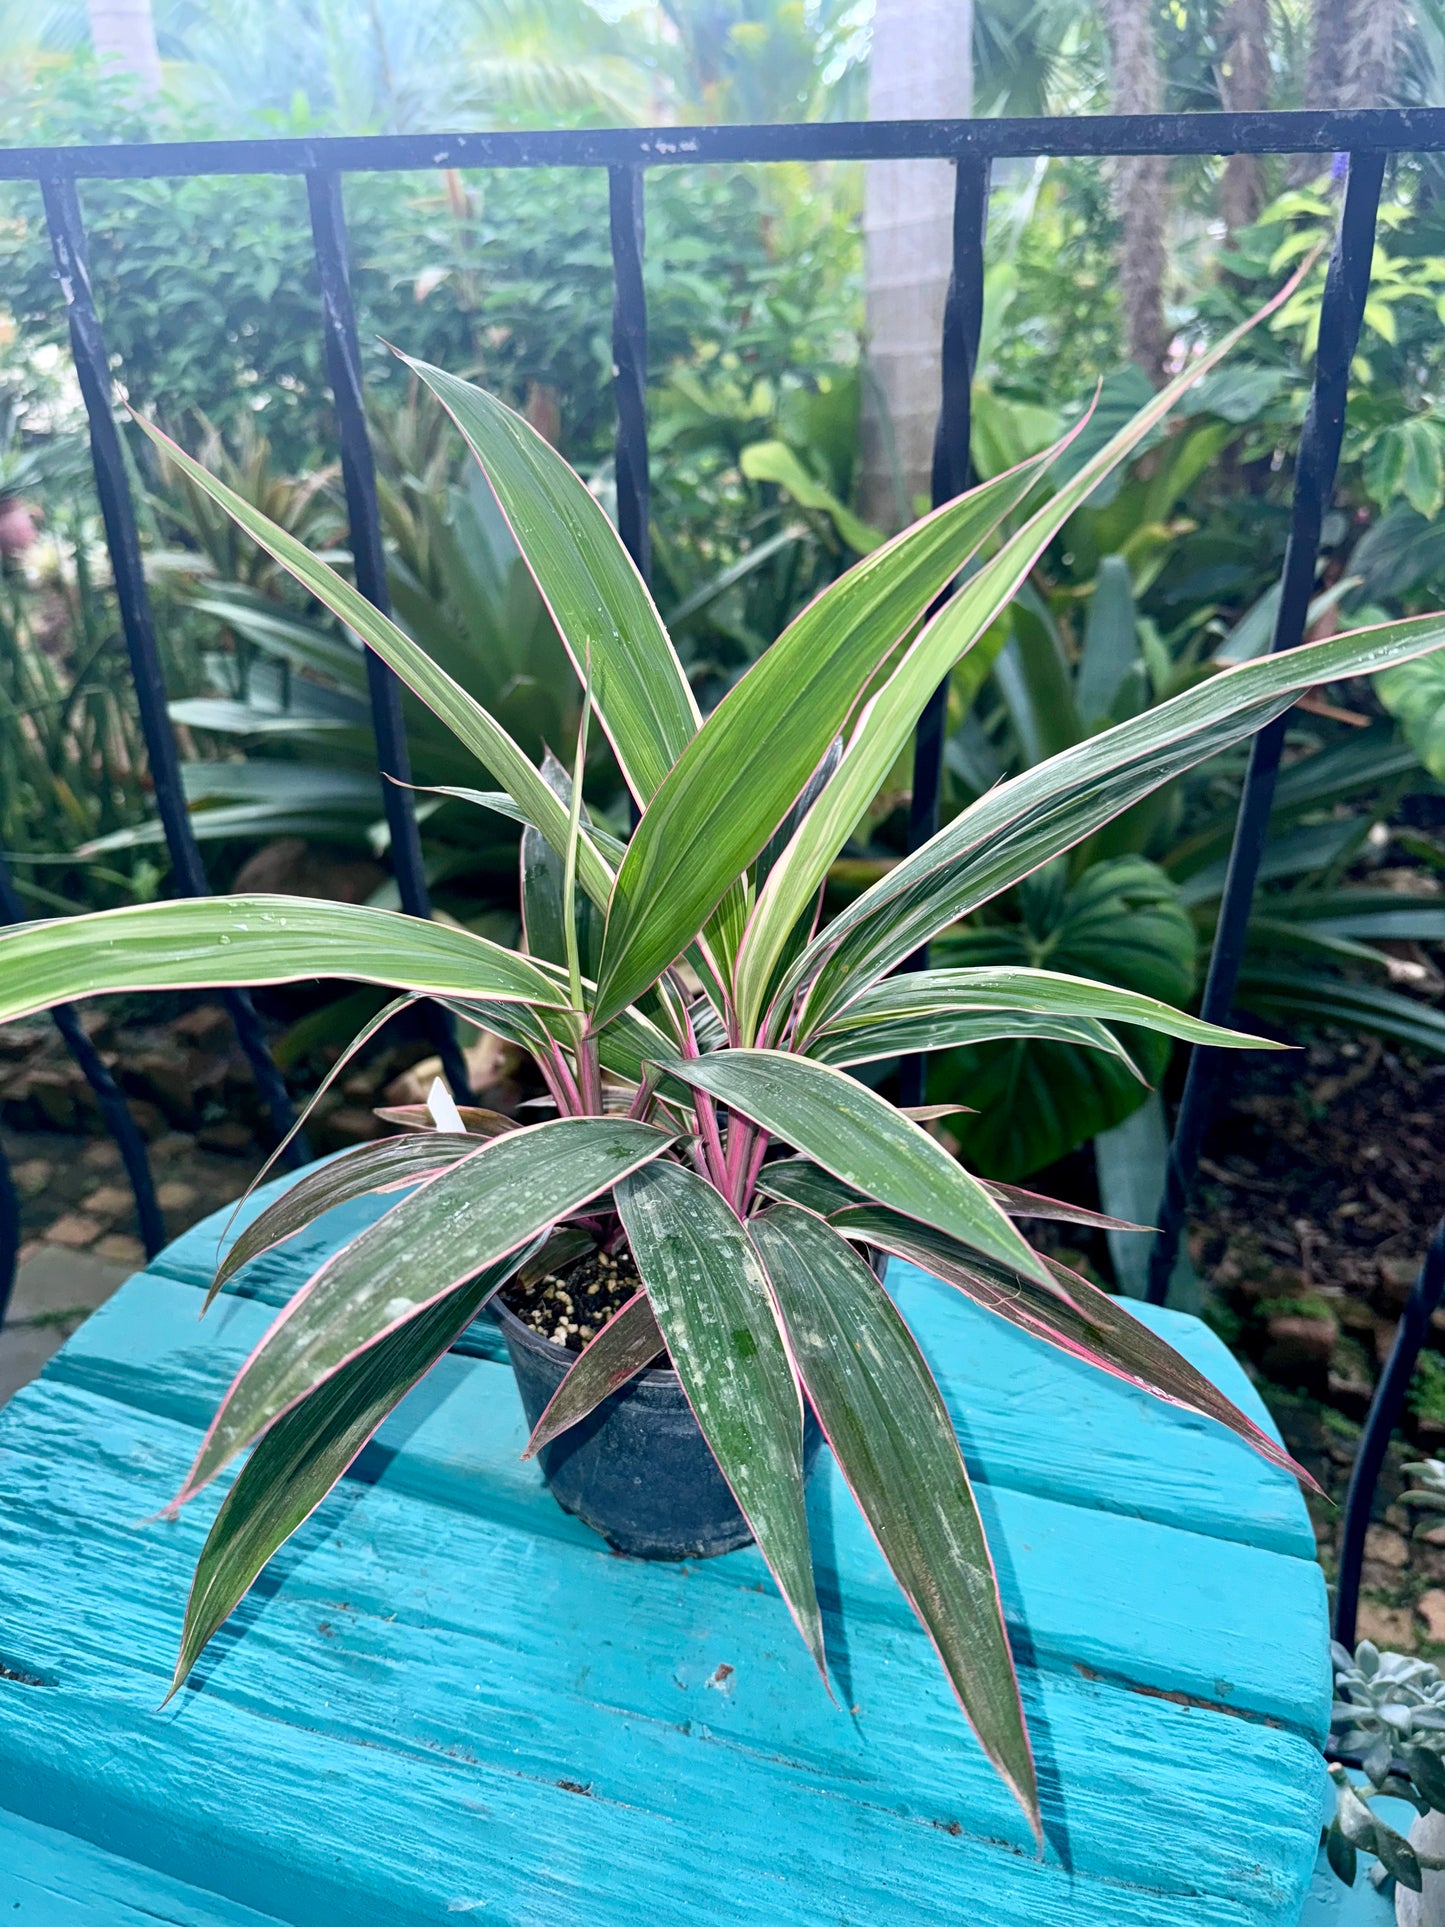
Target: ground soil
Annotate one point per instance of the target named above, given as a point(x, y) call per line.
point(1321, 1184)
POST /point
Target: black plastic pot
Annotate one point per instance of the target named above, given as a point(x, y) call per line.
point(637, 1469)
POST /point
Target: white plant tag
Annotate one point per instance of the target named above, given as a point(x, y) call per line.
point(442, 1105)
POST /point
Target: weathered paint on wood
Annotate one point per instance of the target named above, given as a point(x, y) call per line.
point(446, 1697)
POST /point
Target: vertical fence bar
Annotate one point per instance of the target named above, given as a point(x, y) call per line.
point(92, 367)
point(1346, 287)
point(1385, 1409)
point(9, 1233)
point(363, 511)
point(113, 1108)
point(629, 364)
point(962, 325)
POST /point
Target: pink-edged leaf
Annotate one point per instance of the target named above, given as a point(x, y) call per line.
point(370, 1167)
point(1099, 1330)
point(799, 1181)
point(890, 1432)
point(861, 1138)
point(490, 1203)
point(626, 1345)
point(711, 1300)
point(307, 1450)
point(1032, 1204)
point(475, 1120)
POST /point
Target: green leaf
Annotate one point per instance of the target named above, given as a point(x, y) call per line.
point(1120, 922)
point(449, 1228)
point(722, 801)
point(1090, 1325)
point(206, 942)
point(1043, 694)
point(859, 1137)
point(1340, 1854)
point(543, 872)
point(1415, 694)
point(872, 1044)
point(934, 994)
point(774, 461)
point(370, 1167)
point(1397, 1856)
point(890, 1432)
point(1023, 823)
point(1111, 642)
point(626, 1345)
point(305, 1452)
point(1427, 1770)
point(589, 582)
point(799, 1181)
point(710, 1297)
point(1318, 997)
point(463, 715)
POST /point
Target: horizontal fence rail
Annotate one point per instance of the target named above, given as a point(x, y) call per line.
point(1366, 140)
point(1368, 131)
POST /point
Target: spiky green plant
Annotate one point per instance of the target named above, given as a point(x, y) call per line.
point(673, 1099)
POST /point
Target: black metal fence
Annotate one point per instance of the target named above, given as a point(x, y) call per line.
point(1366, 140)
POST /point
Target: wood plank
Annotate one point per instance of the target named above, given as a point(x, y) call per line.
point(1032, 1419)
point(1069, 1574)
point(54, 1879)
point(451, 1679)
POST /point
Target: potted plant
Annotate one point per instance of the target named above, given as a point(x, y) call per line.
point(712, 1167)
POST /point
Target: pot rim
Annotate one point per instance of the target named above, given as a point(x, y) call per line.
point(663, 1376)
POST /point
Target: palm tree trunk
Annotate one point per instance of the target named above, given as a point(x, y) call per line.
point(1140, 186)
point(1354, 53)
point(1244, 89)
point(921, 68)
point(1376, 38)
point(125, 30)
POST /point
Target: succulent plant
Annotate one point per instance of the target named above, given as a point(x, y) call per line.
point(1389, 1714)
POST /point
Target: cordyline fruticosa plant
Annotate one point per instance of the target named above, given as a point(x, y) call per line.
point(673, 1102)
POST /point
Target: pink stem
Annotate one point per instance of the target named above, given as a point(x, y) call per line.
point(740, 1144)
point(750, 1175)
point(562, 1084)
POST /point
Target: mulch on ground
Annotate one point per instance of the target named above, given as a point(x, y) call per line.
point(1321, 1184)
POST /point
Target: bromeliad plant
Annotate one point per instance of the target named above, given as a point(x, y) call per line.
point(691, 1022)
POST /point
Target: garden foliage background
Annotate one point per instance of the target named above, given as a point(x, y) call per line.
point(759, 376)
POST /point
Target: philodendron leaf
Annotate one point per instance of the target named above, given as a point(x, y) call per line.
point(453, 1225)
point(626, 1345)
point(589, 582)
point(1120, 924)
point(710, 1297)
point(1022, 824)
point(860, 1138)
point(480, 732)
point(370, 1167)
point(306, 1451)
point(723, 799)
point(890, 1432)
point(212, 941)
point(1091, 1326)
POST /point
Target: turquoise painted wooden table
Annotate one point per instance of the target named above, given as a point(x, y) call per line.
point(447, 1699)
